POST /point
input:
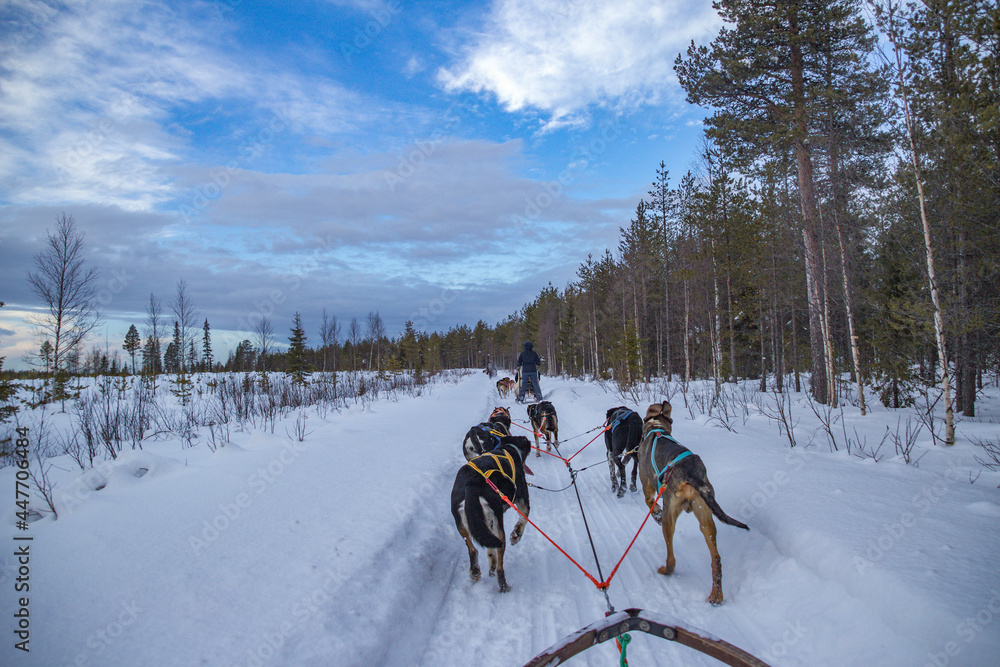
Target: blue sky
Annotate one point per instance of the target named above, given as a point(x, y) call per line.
point(437, 161)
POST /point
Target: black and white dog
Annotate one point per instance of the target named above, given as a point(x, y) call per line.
point(484, 437)
point(478, 508)
point(622, 438)
point(544, 422)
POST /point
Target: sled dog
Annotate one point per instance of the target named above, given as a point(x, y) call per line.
point(544, 422)
point(478, 509)
point(505, 386)
point(486, 436)
point(662, 460)
point(622, 438)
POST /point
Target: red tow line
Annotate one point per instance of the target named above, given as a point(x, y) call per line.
point(601, 585)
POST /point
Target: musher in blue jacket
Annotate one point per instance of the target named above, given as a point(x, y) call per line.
point(528, 362)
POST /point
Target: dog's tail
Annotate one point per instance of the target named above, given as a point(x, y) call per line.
point(708, 495)
point(482, 527)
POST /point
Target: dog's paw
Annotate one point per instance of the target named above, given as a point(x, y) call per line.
point(665, 570)
point(475, 574)
point(621, 491)
point(632, 487)
point(715, 599)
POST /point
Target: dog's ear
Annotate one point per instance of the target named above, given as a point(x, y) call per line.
point(659, 411)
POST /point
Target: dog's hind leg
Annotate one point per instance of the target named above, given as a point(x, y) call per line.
point(614, 473)
point(618, 473)
point(635, 470)
point(501, 577)
point(707, 524)
point(474, 572)
point(491, 554)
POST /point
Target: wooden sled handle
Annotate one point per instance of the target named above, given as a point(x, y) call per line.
point(630, 620)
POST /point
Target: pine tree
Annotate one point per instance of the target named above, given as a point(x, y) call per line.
point(152, 364)
point(243, 358)
point(132, 344)
point(45, 356)
point(206, 348)
point(765, 76)
point(297, 364)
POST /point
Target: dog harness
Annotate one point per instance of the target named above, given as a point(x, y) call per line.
point(652, 454)
point(497, 458)
point(622, 416)
point(483, 429)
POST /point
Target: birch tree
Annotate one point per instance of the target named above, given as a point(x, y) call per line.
point(68, 291)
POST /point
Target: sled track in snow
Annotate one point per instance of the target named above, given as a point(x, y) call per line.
point(551, 598)
point(415, 603)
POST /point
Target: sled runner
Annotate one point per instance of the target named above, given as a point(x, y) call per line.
point(618, 623)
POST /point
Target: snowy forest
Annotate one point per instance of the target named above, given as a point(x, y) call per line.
point(818, 297)
point(841, 222)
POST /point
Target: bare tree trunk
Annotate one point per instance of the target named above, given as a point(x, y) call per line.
point(715, 330)
point(732, 332)
point(949, 411)
point(810, 218)
point(687, 334)
point(795, 350)
point(855, 354)
point(831, 386)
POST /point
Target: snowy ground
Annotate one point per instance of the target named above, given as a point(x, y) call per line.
point(341, 550)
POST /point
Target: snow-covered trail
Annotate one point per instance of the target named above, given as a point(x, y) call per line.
point(341, 550)
point(795, 592)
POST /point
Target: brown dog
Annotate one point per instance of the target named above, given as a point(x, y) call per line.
point(505, 386)
point(662, 460)
point(544, 422)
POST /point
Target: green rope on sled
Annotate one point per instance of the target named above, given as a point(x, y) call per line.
point(624, 640)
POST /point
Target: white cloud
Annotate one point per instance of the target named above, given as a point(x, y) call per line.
point(562, 56)
point(91, 92)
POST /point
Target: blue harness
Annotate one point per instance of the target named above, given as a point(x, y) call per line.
point(489, 432)
point(660, 472)
point(622, 416)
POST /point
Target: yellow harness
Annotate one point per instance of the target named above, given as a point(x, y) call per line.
point(498, 458)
